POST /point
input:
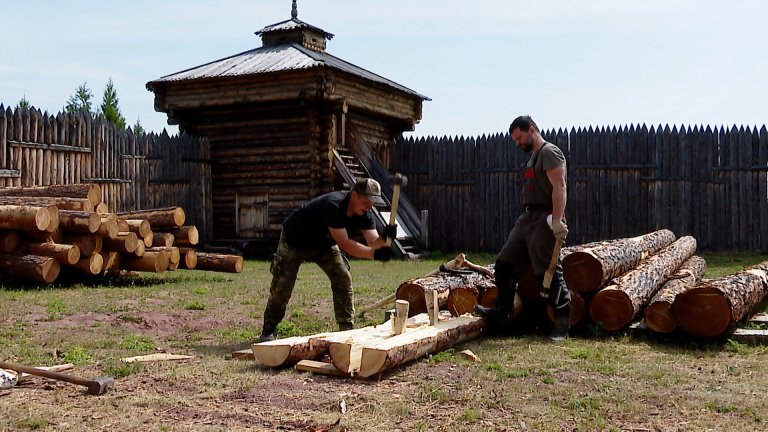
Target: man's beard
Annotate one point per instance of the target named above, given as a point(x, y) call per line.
point(527, 147)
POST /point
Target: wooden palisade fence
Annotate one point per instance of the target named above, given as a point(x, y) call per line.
point(706, 182)
point(133, 171)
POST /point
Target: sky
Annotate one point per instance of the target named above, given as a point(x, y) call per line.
point(567, 63)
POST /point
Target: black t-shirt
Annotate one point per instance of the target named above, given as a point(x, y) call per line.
point(307, 227)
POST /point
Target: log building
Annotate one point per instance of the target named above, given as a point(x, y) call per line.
point(287, 122)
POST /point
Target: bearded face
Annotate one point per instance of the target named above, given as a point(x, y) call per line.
point(523, 140)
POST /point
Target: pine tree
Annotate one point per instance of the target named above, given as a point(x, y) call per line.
point(138, 129)
point(80, 101)
point(109, 106)
point(23, 103)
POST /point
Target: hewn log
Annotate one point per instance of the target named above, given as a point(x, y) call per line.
point(411, 345)
point(29, 267)
point(88, 244)
point(463, 299)
point(219, 262)
point(124, 243)
point(63, 203)
point(189, 258)
point(658, 315)
point(79, 221)
point(616, 305)
point(160, 218)
point(287, 351)
point(63, 253)
point(27, 218)
point(590, 269)
point(184, 236)
point(442, 283)
point(92, 265)
point(91, 192)
point(712, 308)
point(141, 227)
point(151, 262)
point(8, 241)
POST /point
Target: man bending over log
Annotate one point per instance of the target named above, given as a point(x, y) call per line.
point(533, 240)
point(319, 232)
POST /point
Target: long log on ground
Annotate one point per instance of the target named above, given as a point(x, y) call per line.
point(156, 262)
point(590, 269)
point(463, 299)
point(26, 218)
point(712, 308)
point(30, 267)
point(160, 218)
point(91, 192)
point(8, 241)
point(346, 352)
point(616, 305)
point(184, 236)
point(63, 253)
point(658, 314)
point(63, 203)
point(411, 345)
point(88, 244)
point(219, 262)
point(413, 290)
point(188, 258)
point(91, 265)
point(578, 309)
point(79, 221)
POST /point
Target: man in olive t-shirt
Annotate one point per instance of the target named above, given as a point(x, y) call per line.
point(531, 242)
point(319, 232)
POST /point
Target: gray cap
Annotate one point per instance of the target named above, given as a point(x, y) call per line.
point(370, 188)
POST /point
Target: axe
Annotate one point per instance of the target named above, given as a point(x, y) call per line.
point(551, 269)
point(397, 181)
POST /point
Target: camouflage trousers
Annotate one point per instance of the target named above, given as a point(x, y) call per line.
point(285, 267)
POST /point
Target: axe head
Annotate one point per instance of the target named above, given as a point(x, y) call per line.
point(99, 386)
point(398, 180)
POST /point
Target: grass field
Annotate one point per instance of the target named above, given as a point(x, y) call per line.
point(592, 382)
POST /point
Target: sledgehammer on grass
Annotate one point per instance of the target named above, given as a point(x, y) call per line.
point(97, 387)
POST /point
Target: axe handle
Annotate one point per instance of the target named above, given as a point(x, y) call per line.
point(393, 211)
point(552, 264)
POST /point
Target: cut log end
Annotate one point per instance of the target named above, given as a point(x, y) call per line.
point(703, 312)
point(659, 317)
point(582, 272)
point(612, 308)
point(414, 295)
point(461, 301)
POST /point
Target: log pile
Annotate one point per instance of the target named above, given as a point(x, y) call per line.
point(48, 230)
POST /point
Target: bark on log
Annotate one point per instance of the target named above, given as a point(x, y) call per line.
point(578, 309)
point(140, 227)
point(462, 300)
point(658, 314)
point(124, 243)
point(88, 244)
point(63, 203)
point(26, 218)
point(442, 283)
point(162, 239)
point(184, 236)
point(219, 262)
point(91, 192)
point(189, 258)
point(591, 268)
point(712, 308)
point(616, 305)
point(29, 267)
point(91, 265)
point(108, 227)
point(8, 241)
point(411, 345)
point(156, 262)
point(78, 221)
point(161, 218)
point(63, 253)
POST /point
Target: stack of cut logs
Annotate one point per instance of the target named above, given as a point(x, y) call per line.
point(45, 230)
point(614, 283)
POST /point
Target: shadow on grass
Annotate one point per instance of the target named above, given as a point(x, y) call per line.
point(113, 281)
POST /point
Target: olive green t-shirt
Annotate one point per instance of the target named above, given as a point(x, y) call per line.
point(537, 190)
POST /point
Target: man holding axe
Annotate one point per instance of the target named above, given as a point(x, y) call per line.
point(538, 233)
point(319, 232)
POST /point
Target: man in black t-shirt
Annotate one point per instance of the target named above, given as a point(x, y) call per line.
point(319, 232)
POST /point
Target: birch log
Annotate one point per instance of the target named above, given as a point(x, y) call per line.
point(591, 268)
point(658, 314)
point(712, 308)
point(618, 304)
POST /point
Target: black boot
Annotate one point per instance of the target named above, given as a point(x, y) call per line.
point(562, 323)
point(346, 326)
point(267, 334)
point(505, 298)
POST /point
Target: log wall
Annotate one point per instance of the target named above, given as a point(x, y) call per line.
point(134, 171)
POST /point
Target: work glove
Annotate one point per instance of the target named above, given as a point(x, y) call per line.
point(559, 229)
point(382, 254)
point(390, 231)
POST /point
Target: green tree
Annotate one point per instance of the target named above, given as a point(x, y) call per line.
point(80, 101)
point(138, 129)
point(23, 103)
point(109, 106)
